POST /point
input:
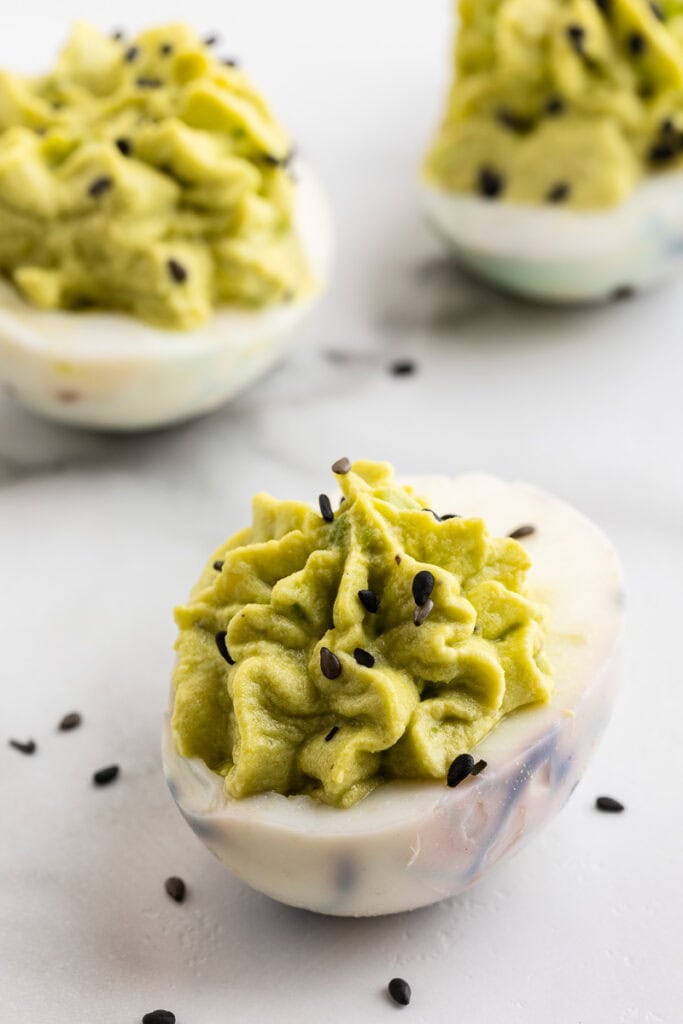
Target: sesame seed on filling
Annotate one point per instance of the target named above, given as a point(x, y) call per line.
point(577, 37)
point(661, 152)
point(326, 508)
point(165, 49)
point(423, 585)
point(99, 186)
point(177, 271)
point(330, 665)
point(515, 122)
point(363, 657)
point(223, 647)
point(332, 733)
point(636, 44)
point(369, 600)
point(490, 183)
point(124, 146)
point(559, 192)
point(554, 106)
point(130, 54)
point(422, 611)
point(218, 565)
point(341, 466)
point(657, 11)
point(145, 82)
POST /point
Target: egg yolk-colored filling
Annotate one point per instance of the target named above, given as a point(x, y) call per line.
point(148, 176)
point(325, 652)
point(563, 102)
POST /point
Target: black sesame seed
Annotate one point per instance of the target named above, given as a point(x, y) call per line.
point(559, 192)
point(177, 271)
point(29, 747)
point(176, 888)
point(403, 368)
point(609, 804)
point(624, 291)
point(211, 40)
point(159, 1017)
point(450, 515)
point(330, 665)
point(106, 775)
point(522, 531)
point(577, 36)
point(223, 647)
point(70, 721)
point(554, 106)
point(218, 565)
point(460, 768)
point(491, 183)
point(604, 5)
point(230, 62)
point(124, 146)
point(99, 186)
point(667, 127)
point(363, 657)
point(332, 733)
point(130, 54)
point(117, 35)
point(341, 466)
point(422, 611)
point(515, 122)
point(400, 991)
point(423, 585)
point(325, 508)
point(397, 559)
point(165, 49)
point(636, 44)
point(478, 768)
point(661, 152)
point(369, 599)
point(657, 11)
point(146, 82)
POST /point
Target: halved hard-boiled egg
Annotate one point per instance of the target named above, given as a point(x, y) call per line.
point(410, 841)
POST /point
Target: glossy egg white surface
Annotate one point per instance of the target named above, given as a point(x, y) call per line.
point(412, 844)
point(552, 254)
point(111, 371)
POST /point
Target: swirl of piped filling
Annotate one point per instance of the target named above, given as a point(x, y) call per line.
point(325, 657)
point(149, 176)
point(569, 103)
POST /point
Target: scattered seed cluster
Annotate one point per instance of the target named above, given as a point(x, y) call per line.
point(665, 147)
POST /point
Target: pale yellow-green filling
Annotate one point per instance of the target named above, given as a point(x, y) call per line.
point(289, 585)
point(564, 101)
point(147, 176)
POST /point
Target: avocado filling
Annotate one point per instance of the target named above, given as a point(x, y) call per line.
point(145, 176)
point(324, 658)
point(567, 103)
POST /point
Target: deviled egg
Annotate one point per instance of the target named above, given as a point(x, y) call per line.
point(158, 238)
point(556, 172)
point(373, 706)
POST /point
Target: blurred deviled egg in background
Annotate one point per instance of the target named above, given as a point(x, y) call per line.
point(158, 239)
point(556, 172)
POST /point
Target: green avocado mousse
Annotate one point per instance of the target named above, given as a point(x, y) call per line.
point(325, 652)
point(562, 103)
point(556, 172)
point(146, 176)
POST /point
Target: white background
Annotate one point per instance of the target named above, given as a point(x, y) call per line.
point(99, 537)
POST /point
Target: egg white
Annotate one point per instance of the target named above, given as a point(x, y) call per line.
point(110, 371)
point(553, 254)
point(409, 844)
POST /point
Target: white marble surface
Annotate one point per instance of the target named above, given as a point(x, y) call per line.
point(100, 536)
